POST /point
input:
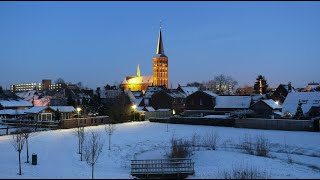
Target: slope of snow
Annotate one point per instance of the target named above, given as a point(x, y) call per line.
point(58, 158)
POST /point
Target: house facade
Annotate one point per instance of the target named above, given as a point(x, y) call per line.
point(169, 99)
point(266, 108)
point(200, 100)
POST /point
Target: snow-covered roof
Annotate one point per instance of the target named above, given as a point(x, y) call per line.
point(257, 97)
point(130, 95)
point(175, 93)
point(64, 109)
point(272, 104)
point(138, 80)
point(137, 93)
point(38, 109)
point(233, 102)
point(311, 87)
point(278, 113)
point(189, 89)
point(147, 108)
point(11, 112)
point(151, 90)
point(35, 109)
point(211, 93)
point(163, 110)
point(308, 99)
point(15, 103)
point(138, 100)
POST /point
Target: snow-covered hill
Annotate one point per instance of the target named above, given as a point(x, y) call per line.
point(58, 158)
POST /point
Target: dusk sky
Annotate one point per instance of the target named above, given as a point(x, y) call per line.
point(102, 42)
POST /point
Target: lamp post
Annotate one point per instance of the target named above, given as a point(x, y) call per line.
point(78, 112)
point(134, 111)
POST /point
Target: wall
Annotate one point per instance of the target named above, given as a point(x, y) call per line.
point(275, 124)
point(90, 121)
point(253, 123)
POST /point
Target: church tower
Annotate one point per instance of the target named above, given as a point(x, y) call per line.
point(160, 65)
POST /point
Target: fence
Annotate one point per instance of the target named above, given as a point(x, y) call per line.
point(276, 124)
point(158, 114)
point(254, 123)
point(89, 121)
point(162, 167)
point(31, 123)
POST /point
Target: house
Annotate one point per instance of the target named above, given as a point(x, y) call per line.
point(148, 93)
point(281, 92)
point(308, 99)
point(266, 108)
point(187, 90)
point(15, 104)
point(169, 99)
point(312, 87)
point(48, 113)
point(201, 100)
point(232, 103)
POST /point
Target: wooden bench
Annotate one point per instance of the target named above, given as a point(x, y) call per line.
point(177, 167)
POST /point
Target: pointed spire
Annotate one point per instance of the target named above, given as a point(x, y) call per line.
point(138, 70)
point(160, 49)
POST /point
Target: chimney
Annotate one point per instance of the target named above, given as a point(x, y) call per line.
point(289, 87)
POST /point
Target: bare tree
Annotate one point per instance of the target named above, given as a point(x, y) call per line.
point(210, 140)
point(17, 142)
point(26, 133)
point(222, 84)
point(80, 133)
point(92, 150)
point(110, 128)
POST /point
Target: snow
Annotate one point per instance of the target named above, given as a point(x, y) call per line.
point(58, 158)
point(15, 103)
point(35, 109)
point(308, 100)
point(137, 80)
point(211, 93)
point(11, 112)
point(233, 102)
point(38, 109)
point(64, 109)
point(217, 116)
point(187, 90)
point(272, 104)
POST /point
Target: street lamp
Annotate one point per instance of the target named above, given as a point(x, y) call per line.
point(78, 112)
point(134, 111)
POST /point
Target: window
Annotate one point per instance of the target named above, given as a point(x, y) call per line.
point(46, 116)
point(201, 103)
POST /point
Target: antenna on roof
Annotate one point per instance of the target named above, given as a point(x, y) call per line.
point(160, 23)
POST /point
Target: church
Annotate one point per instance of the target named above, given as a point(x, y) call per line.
point(159, 76)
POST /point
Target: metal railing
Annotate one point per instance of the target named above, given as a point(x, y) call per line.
point(162, 167)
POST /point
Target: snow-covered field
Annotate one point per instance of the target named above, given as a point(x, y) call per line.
point(58, 158)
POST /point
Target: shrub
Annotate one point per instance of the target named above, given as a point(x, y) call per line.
point(262, 146)
point(259, 148)
point(245, 173)
point(247, 144)
point(210, 140)
point(179, 148)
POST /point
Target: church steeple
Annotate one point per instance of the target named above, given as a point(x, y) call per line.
point(160, 50)
point(138, 70)
point(160, 64)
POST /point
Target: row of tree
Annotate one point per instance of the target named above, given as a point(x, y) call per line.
point(92, 149)
point(225, 85)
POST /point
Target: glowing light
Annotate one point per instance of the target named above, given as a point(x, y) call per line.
point(134, 107)
point(78, 109)
point(277, 102)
